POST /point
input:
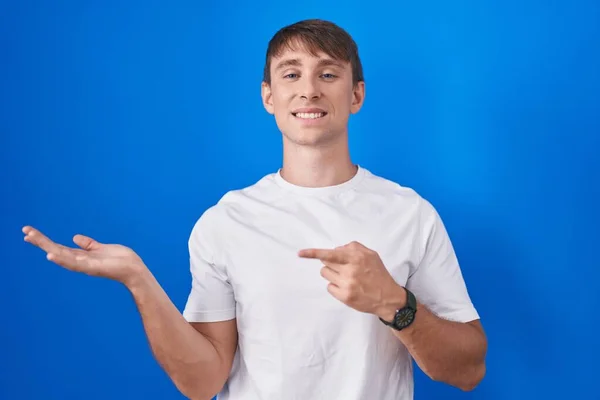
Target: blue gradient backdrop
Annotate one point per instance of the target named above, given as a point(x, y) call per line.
point(125, 121)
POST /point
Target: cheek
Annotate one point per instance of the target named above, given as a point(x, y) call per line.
point(342, 104)
point(281, 100)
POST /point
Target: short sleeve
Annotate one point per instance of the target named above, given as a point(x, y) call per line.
point(437, 281)
point(211, 297)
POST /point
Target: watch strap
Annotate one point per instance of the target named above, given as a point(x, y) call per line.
point(411, 305)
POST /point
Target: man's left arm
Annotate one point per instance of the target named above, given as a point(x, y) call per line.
point(447, 351)
point(446, 338)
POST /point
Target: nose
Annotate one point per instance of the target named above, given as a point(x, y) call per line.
point(310, 90)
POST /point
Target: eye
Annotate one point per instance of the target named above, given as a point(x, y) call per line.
point(329, 76)
point(290, 76)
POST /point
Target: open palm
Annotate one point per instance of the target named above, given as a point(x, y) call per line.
point(112, 261)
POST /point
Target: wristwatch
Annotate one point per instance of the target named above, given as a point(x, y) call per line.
point(405, 315)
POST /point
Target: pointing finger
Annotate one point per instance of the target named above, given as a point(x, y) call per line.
point(325, 255)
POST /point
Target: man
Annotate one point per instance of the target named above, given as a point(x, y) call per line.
point(320, 281)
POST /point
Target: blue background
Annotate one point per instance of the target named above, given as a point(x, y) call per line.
point(125, 121)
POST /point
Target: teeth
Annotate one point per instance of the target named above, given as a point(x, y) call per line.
point(309, 115)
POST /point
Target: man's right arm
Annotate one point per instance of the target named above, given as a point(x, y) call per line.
point(196, 356)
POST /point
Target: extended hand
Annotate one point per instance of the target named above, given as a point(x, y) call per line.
point(359, 279)
point(111, 261)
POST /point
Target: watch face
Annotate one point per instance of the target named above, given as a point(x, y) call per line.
point(404, 318)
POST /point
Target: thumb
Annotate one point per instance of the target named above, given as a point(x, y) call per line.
point(86, 243)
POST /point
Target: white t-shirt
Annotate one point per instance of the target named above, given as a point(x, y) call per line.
point(296, 341)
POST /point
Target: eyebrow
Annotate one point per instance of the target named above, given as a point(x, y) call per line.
point(294, 62)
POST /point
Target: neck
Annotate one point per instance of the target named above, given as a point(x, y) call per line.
point(317, 166)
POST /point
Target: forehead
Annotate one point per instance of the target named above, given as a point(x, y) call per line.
point(297, 53)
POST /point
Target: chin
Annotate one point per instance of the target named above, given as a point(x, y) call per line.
point(311, 137)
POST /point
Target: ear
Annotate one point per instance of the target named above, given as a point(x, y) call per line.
point(267, 97)
point(358, 97)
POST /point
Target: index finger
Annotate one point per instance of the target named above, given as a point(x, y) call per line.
point(325, 255)
point(40, 240)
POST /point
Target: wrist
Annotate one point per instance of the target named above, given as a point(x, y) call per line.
point(137, 275)
point(392, 301)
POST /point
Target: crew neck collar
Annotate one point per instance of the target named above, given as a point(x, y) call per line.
point(324, 190)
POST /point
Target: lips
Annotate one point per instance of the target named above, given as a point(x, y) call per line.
point(309, 113)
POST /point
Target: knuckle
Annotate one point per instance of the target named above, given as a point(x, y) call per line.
point(343, 295)
point(359, 257)
point(352, 285)
point(350, 296)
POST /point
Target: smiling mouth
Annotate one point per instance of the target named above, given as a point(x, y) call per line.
point(309, 115)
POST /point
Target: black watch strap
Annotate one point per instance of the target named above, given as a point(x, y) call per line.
point(411, 300)
point(404, 316)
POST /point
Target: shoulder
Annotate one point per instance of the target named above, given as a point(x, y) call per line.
point(403, 202)
point(402, 196)
point(233, 203)
point(262, 190)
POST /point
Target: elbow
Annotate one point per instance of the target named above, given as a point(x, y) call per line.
point(465, 381)
point(197, 381)
point(195, 389)
point(473, 379)
point(195, 393)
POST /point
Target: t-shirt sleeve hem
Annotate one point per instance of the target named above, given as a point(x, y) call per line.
point(461, 315)
point(209, 316)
